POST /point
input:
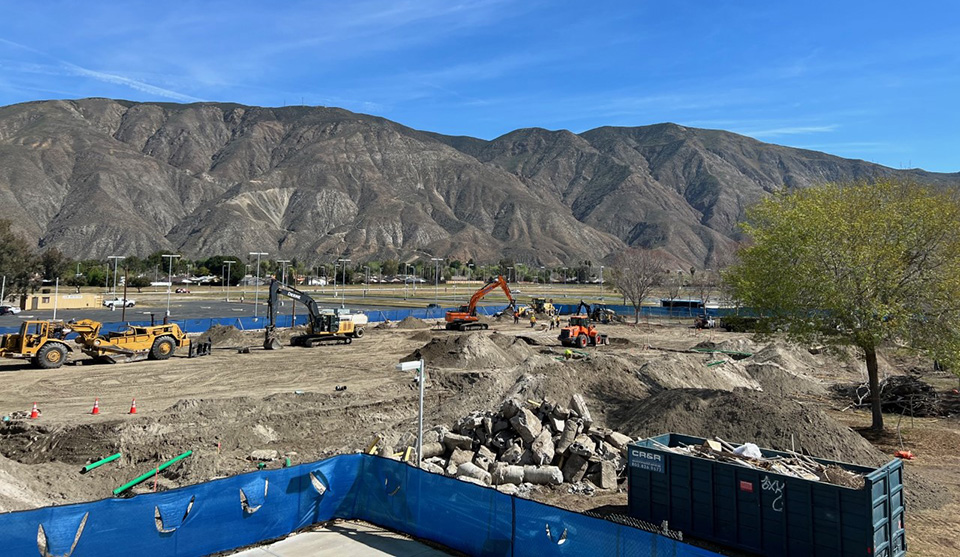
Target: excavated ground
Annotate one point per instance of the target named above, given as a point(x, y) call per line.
point(307, 404)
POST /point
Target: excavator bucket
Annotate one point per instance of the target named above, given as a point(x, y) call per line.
point(272, 343)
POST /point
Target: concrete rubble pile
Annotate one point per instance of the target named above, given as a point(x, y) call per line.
point(526, 443)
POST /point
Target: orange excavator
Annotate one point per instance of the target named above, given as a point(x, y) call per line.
point(465, 318)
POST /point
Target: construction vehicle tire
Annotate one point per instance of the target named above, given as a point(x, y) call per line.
point(51, 355)
point(162, 348)
point(581, 340)
point(358, 332)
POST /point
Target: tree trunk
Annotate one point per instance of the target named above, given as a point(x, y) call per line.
point(636, 315)
point(873, 376)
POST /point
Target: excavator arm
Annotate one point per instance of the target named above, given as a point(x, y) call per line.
point(499, 282)
point(277, 288)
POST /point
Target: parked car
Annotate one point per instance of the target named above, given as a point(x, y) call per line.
point(182, 291)
point(119, 302)
point(5, 310)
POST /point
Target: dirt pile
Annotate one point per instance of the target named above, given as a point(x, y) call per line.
point(411, 322)
point(224, 336)
point(779, 381)
point(480, 350)
point(743, 345)
point(695, 371)
point(744, 416)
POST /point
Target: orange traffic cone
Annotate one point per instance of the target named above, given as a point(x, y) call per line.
point(133, 406)
point(34, 413)
point(96, 407)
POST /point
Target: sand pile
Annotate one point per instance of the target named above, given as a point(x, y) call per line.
point(690, 371)
point(482, 350)
point(224, 336)
point(743, 416)
point(779, 381)
point(788, 356)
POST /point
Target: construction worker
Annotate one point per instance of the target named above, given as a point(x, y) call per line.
point(567, 354)
point(533, 320)
point(551, 323)
point(516, 317)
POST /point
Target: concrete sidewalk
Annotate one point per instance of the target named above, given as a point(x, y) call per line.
point(345, 538)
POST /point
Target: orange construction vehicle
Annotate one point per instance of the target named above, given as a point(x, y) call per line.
point(580, 332)
point(465, 318)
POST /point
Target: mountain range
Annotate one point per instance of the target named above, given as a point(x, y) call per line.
point(97, 177)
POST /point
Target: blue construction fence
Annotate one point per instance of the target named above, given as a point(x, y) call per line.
point(251, 508)
point(286, 320)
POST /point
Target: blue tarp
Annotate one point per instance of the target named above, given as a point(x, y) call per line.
point(284, 320)
point(212, 517)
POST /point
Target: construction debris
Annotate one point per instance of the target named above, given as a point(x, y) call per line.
point(527, 443)
point(748, 455)
point(899, 394)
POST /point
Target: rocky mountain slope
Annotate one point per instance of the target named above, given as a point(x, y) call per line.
point(96, 176)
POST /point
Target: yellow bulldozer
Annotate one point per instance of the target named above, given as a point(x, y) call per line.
point(44, 342)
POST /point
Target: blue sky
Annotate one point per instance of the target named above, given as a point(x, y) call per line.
point(878, 80)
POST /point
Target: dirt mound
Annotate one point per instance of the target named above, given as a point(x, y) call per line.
point(224, 336)
point(422, 336)
point(411, 322)
point(779, 381)
point(744, 416)
point(481, 350)
point(788, 356)
point(744, 345)
point(691, 371)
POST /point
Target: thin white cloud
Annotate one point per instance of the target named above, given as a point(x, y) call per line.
point(789, 130)
point(128, 82)
point(67, 68)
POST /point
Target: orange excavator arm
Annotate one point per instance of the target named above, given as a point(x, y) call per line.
point(487, 288)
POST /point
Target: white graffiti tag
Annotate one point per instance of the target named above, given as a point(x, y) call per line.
point(774, 486)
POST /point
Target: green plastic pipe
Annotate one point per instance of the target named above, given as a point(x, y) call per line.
point(716, 363)
point(98, 463)
point(152, 472)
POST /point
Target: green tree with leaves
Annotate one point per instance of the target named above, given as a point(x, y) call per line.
point(17, 260)
point(857, 264)
point(139, 282)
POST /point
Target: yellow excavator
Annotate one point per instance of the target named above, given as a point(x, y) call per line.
point(45, 343)
point(323, 325)
point(465, 317)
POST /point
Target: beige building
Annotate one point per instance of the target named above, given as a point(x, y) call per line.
point(47, 300)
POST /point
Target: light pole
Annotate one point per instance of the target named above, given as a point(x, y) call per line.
point(418, 366)
point(256, 297)
point(436, 281)
point(601, 283)
point(508, 274)
point(227, 282)
point(116, 263)
point(283, 270)
point(171, 257)
point(343, 289)
point(366, 279)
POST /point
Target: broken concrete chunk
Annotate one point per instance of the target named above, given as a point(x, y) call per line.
point(508, 489)
point(435, 434)
point(560, 412)
point(470, 480)
point(500, 425)
point(542, 448)
point(428, 466)
point(571, 429)
point(510, 408)
point(471, 470)
point(618, 440)
point(607, 476)
point(484, 458)
point(406, 440)
point(526, 425)
point(506, 474)
point(543, 475)
point(502, 439)
point(574, 468)
point(579, 407)
point(512, 455)
point(556, 425)
point(455, 441)
point(583, 446)
point(487, 425)
point(458, 457)
point(264, 455)
point(433, 449)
